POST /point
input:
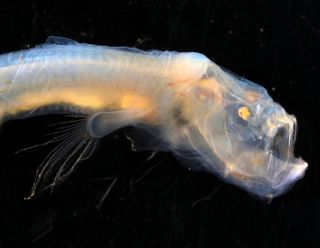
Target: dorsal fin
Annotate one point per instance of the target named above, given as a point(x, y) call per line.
point(58, 40)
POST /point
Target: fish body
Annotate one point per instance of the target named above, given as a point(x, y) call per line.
point(179, 102)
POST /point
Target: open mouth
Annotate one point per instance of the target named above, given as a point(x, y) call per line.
point(280, 145)
point(279, 169)
point(284, 168)
point(283, 140)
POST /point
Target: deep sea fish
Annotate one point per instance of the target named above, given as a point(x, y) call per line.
point(180, 102)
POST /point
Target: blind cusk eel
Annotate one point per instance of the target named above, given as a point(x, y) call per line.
point(181, 102)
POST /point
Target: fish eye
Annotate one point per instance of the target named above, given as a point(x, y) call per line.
point(244, 113)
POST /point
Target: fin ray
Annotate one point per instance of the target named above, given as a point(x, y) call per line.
point(74, 147)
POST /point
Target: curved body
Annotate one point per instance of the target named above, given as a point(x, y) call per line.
point(179, 102)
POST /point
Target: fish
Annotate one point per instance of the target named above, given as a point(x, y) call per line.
point(180, 102)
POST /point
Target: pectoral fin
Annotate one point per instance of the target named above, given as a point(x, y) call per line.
point(78, 140)
point(103, 123)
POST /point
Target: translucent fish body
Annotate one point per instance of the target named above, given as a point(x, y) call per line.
point(184, 103)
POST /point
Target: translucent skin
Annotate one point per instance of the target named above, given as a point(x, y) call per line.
point(179, 102)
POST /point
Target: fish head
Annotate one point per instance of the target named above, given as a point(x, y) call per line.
point(241, 134)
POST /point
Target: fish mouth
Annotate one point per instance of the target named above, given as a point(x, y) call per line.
point(260, 161)
point(283, 138)
point(283, 169)
point(271, 170)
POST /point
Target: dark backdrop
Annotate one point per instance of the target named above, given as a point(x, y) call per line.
point(158, 203)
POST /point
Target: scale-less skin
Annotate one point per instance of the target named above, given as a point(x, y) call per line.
point(179, 102)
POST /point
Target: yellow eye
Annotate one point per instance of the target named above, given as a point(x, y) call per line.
point(244, 113)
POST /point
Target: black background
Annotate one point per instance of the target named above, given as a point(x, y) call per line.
point(158, 203)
